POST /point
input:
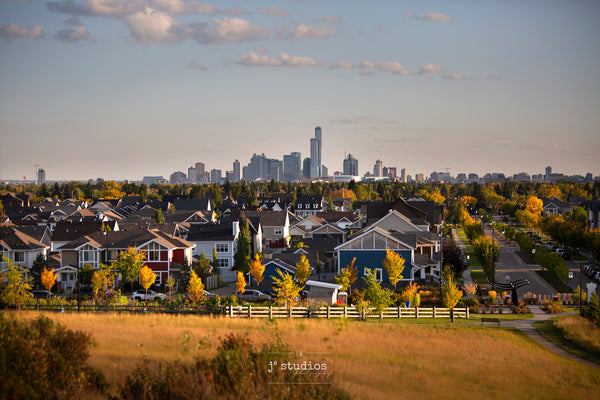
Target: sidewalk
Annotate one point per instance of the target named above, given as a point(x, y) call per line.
point(467, 273)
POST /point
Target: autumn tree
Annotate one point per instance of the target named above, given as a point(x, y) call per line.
point(343, 279)
point(302, 270)
point(394, 265)
point(353, 269)
point(171, 283)
point(195, 288)
point(103, 285)
point(49, 278)
point(129, 264)
point(147, 278)
point(240, 284)
point(488, 252)
point(17, 289)
point(257, 269)
point(378, 297)
point(450, 293)
point(287, 292)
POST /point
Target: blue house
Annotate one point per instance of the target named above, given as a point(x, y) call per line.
point(370, 249)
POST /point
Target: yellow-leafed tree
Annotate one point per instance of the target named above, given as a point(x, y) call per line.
point(48, 278)
point(302, 269)
point(287, 292)
point(353, 270)
point(257, 269)
point(195, 288)
point(394, 265)
point(450, 293)
point(103, 284)
point(147, 278)
point(240, 284)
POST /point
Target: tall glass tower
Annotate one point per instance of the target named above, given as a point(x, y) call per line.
point(315, 154)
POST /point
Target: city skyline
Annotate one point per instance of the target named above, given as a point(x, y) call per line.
point(120, 90)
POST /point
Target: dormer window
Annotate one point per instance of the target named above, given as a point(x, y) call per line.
point(299, 206)
point(308, 206)
point(315, 206)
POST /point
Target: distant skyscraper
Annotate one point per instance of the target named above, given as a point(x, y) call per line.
point(200, 173)
point(215, 175)
point(324, 171)
point(378, 168)
point(316, 148)
point(292, 167)
point(548, 173)
point(420, 178)
point(263, 168)
point(403, 175)
point(236, 171)
point(391, 173)
point(41, 176)
point(192, 175)
point(306, 168)
point(350, 166)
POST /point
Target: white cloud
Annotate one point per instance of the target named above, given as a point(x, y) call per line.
point(73, 35)
point(197, 66)
point(430, 69)
point(273, 11)
point(114, 7)
point(152, 27)
point(304, 31)
point(455, 77)
point(12, 31)
point(181, 7)
point(253, 59)
point(226, 30)
point(439, 17)
point(392, 67)
point(343, 65)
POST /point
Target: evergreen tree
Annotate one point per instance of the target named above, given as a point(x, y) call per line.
point(241, 258)
point(36, 270)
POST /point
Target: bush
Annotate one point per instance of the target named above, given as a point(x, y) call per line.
point(520, 308)
point(553, 307)
point(43, 360)
point(237, 371)
point(591, 310)
point(471, 303)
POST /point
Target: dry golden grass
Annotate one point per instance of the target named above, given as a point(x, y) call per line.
point(369, 361)
point(580, 331)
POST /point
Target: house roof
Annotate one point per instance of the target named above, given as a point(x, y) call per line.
point(67, 231)
point(325, 285)
point(210, 232)
point(128, 238)
point(35, 231)
point(14, 239)
point(310, 200)
point(270, 218)
point(192, 204)
point(335, 216)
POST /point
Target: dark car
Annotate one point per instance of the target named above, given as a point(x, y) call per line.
point(41, 294)
point(253, 295)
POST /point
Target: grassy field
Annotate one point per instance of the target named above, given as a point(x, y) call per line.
point(369, 360)
point(574, 334)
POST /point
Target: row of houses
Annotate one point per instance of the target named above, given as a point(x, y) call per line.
point(79, 233)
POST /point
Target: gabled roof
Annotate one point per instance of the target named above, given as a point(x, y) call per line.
point(128, 238)
point(37, 232)
point(376, 230)
point(192, 204)
point(270, 218)
point(554, 201)
point(282, 264)
point(336, 216)
point(67, 231)
point(14, 239)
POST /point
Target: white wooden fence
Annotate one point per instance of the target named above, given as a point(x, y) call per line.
point(343, 312)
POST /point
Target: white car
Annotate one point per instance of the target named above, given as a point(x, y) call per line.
point(151, 296)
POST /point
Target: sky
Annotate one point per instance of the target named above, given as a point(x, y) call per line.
point(121, 89)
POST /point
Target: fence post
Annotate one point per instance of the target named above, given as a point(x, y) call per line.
point(327, 312)
point(230, 311)
point(417, 312)
point(249, 312)
point(290, 312)
point(434, 316)
point(270, 311)
point(399, 312)
point(345, 312)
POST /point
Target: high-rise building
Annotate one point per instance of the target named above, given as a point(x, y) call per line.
point(419, 178)
point(350, 166)
point(292, 167)
point(391, 173)
point(41, 176)
point(324, 171)
point(306, 168)
point(236, 171)
point(378, 168)
point(215, 175)
point(316, 148)
point(263, 168)
point(403, 175)
point(200, 173)
point(192, 175)
point(548, 173)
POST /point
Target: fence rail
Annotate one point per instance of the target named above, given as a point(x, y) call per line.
point(267, 312)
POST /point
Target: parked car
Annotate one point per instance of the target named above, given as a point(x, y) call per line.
point(151, 296)
point(253, 295)
point(41, 294)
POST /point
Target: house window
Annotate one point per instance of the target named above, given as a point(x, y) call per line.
point(154, 251)
point(115, 254)
point(307, 207)
point(278, 231)
point(315, 206)
point(299, 206)
point(88, 255)
point(378, 274)
point(223, 262)
point(19, 256)
point(222, 247)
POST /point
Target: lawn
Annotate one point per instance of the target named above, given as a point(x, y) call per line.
point(575, 327)
point(478, 276)
point(368, 360)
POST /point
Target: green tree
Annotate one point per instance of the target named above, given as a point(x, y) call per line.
point(241, 258)
point(394, 265)
point(129, 264)
point(488, 252)
point(287, 292)
point(378, 297)
point(36, 270)
point(343, 279)
point(16, 290)
point(159, 217)
point(195, 288)
point(202, 266)
point(450, 293)
point(302, 269)
point(591, 310)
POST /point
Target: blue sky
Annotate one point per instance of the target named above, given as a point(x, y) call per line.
point(120, 89)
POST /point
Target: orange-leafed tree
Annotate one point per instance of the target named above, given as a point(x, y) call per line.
point(240, 284)
point(48, 278)
point(147, 278)
point(257, 269)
